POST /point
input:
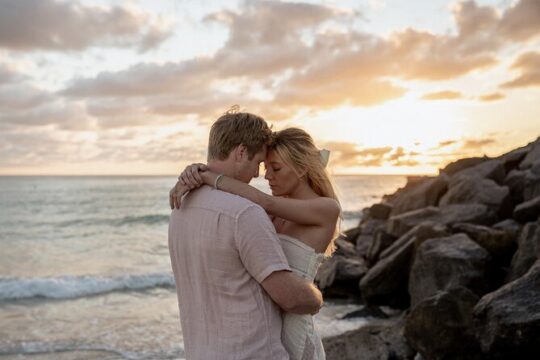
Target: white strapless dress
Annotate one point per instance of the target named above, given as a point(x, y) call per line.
point(299, 335)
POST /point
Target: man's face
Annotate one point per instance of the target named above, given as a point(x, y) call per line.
point(249, 169)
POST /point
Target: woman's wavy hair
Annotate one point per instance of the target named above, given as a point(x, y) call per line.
point(297, 149)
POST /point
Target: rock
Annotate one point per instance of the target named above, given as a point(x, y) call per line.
point(515, 180)
point(508, 320)
point(381, 339)
point(498, 243)
point(338, 276)
point(511, 226)
point(449, 262)
point(512, 159)
point(380, 242)
point(528, 211)
point(447, 215)
point(351, 235)
point(532, 156)
point(363, 243)
point(490, 169)
point(380, 211)
point(531, 183)
point(370, 226)
point(466, 189)
point(366, 311)
point(528, 251)
point(427, 193)
point(386, 282)
point(440, 327)
point(462, 164)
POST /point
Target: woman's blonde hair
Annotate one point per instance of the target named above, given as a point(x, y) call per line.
point(297, 149)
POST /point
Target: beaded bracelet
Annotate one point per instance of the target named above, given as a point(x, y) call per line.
point(216, 181)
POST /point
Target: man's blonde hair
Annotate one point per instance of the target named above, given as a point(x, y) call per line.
point(234, 128)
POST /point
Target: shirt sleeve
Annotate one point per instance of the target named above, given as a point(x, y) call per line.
point(258, 244)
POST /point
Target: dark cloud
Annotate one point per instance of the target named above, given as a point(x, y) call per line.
point(443, 95)
point(61, 25)
point(529, 65)
point(520, 22)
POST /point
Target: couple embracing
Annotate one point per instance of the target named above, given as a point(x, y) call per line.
point(244, 261)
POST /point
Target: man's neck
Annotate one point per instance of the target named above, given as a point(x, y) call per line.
point(221, 167)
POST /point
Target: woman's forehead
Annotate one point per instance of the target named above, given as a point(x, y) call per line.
point(272, 157)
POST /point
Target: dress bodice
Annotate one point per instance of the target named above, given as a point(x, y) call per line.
point(302, 258)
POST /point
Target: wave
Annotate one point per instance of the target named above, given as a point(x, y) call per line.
point(69, 287)
point(126, 220)
point(38, 347)
point(352, 214)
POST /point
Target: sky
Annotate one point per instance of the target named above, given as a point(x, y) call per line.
point(388, 86)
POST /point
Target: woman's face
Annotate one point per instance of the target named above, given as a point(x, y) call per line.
point(281, 177)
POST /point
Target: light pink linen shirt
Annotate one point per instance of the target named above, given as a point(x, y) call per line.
point(222, 247)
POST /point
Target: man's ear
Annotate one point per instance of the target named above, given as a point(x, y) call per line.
point(240, 152)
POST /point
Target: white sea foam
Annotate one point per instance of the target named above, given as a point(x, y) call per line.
point(37, 347)
point(67, 287)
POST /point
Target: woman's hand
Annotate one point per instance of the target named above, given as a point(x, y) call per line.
point(191, 176)
point(188, 180)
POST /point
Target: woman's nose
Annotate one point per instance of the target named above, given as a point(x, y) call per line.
point(267, 175)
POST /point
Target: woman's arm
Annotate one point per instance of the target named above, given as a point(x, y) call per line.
point(316, 211)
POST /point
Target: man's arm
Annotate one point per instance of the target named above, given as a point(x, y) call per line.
point(292, 293)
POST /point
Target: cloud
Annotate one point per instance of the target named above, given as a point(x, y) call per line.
point(60, 25)
point(491, 97)
point(520, 21)
point(477, 144)
point(443, 95)
point(446, 143)
point(271, 48)
point(529, 65)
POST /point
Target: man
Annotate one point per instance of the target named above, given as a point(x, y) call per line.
point(231, 273)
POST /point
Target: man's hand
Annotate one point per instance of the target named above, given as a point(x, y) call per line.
point(188, 180)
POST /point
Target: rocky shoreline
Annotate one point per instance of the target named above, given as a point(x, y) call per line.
point(458, 253)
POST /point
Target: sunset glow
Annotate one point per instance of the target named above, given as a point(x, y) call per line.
point(104, 88)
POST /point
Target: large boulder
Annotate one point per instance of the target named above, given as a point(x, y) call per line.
point(386, 282)
point(381, 339)
point(499, 243)
point(462, 164)
point(380, 211)
point(447, 215)
point(528, 251)
point(515, 181)
point(449, 262)
point(508, 320)
point(380, 242)
point(531, 185)
point(338, 276)
point(532, 156)
point(491, 169)
point(510, 226)
point(467, 189)
point(528, 211)
point(440, 327)
point(512, 159)
point(426, 193)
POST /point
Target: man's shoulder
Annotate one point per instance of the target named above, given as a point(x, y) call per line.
point(221, 201)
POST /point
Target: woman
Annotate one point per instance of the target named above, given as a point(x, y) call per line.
point(304, 210)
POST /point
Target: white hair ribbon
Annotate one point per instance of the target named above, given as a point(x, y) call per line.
point(325, 155)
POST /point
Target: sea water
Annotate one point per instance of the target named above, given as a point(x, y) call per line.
point(85, 270)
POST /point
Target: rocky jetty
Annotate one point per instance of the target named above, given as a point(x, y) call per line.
point(458, 253)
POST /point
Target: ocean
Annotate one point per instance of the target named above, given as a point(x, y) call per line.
point(85, 270)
